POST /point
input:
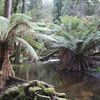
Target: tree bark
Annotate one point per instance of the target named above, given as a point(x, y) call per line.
point(8, 8)
point(15, 7)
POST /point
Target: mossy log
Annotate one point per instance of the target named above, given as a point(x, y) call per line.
point(33, 90)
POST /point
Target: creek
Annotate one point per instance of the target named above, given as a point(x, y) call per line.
point(76, 85)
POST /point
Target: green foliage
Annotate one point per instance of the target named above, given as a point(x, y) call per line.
point(1, 7)
point(28, 48)
point(98, 69)
point(72, 23)
point(81, 38)
point(76, 31)
point(31, 40)
point(4, 26)
point(16, 25)
point(20, 25)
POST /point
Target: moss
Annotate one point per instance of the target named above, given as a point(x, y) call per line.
point(50, 90)
point(34, 90)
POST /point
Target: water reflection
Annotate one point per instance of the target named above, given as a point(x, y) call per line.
point(77, 85)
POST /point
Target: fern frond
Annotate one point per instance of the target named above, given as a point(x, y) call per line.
point(28, 48)
point(4, 23)
point(42, 37)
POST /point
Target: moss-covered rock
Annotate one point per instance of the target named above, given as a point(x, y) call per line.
point(34, 90)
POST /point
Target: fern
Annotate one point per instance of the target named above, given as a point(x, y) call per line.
point(80, 42)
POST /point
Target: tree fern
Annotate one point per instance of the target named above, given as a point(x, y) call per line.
point(12, 31)
point(80, 42)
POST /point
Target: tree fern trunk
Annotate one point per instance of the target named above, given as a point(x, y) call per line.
point(6, 70)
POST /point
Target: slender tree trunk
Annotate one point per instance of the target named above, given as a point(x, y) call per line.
point(57, 10)
point(15, 7)
point(8, 8)
point(23, 6)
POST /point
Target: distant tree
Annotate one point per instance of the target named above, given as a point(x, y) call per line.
point(47, 8)
point(57, 10)
point(79, 7)
point(15, 4)
point(97, 10)
point(33, 3)
point(7, 8)
point(35, 9)
point(23, 6)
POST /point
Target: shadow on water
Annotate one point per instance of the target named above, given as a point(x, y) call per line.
point(76, 85)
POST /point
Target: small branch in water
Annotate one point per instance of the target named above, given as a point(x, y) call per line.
point(48, 56)
point(15, 80)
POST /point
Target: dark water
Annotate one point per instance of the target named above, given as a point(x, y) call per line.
point(76, 85)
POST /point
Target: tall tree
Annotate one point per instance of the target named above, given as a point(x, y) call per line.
point(57, 9)
point(23, 6)
point(7, 8)
point(35, 9)
point(15, 5)
point(79, 7)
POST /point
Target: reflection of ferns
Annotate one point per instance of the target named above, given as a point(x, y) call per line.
point(78, 45)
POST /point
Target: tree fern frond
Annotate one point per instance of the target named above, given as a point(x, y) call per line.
point(36, 27)
point(28, 48)
point(90, 42)
point(31, 40)
point(61, 42)
point(42, 37)
point(4, 23)
point(19, 17)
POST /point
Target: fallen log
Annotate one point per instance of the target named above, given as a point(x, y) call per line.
point(33, 90)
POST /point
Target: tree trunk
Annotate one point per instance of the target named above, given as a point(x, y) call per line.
point(6, 71)
point(15, 6)
point(57, 10)
point(23, 6)
point(8, 8)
